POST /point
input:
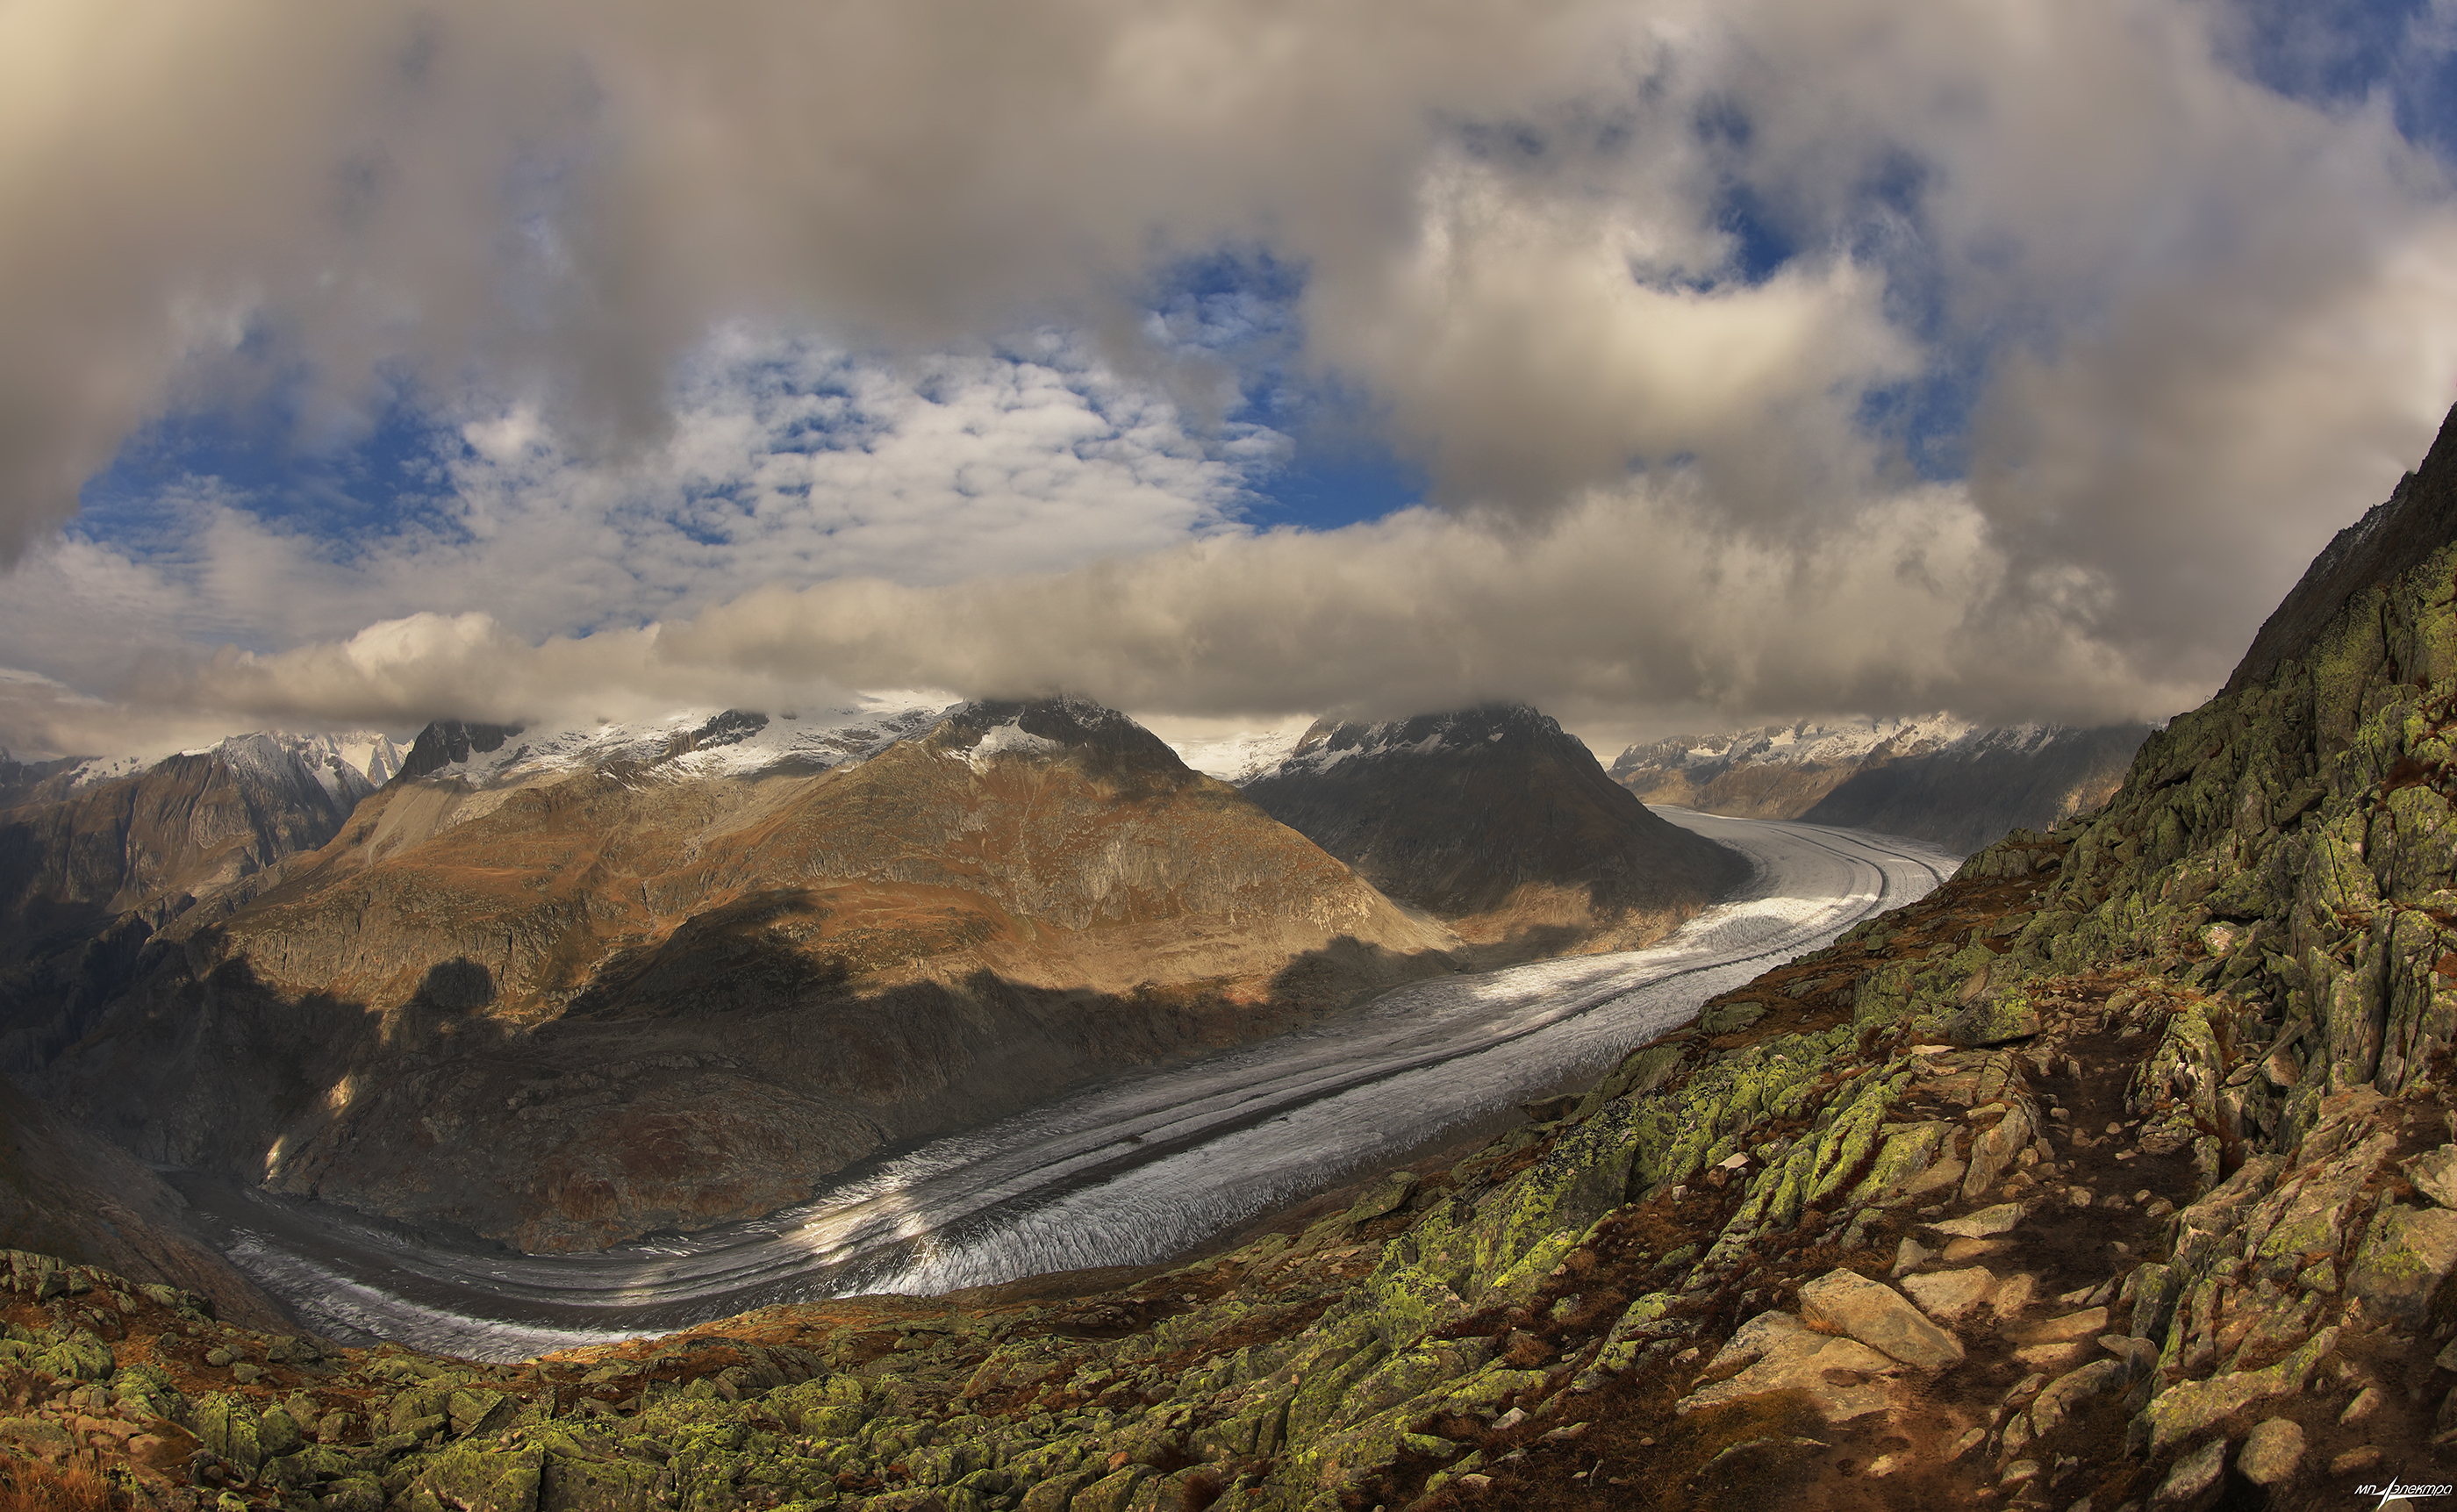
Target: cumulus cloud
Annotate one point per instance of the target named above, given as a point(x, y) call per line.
point(781, 460)
point(1637, 597)
point(1637, 283)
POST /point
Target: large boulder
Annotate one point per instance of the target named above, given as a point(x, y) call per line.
point(2406, 1255)
point(1848, 1303)
point(1774, 1352)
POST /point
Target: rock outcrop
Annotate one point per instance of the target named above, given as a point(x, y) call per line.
point(1499, 822)
point(90, 866)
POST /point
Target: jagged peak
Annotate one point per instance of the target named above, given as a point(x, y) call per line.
point(1327, 742)
point(453, 742)
point(1053, 726)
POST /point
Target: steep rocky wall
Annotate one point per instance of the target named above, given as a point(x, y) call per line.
point(188, 824)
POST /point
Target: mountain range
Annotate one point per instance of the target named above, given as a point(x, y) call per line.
point(560, 988)
point(1500, 823)
point(1937, 778)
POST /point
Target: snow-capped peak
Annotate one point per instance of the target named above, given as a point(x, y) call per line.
point(688, 744)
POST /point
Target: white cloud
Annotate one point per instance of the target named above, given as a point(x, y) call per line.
point(1633, 597)
point(783, 463)
point(2201, 326)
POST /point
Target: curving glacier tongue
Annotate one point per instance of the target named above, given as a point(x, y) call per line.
point(1128, 1172)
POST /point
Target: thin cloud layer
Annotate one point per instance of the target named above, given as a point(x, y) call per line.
point(1667, 299)
point(1631, 599)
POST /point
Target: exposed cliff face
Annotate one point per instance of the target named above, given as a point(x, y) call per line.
point(1939, 779)
point(1499, 822)
point(564, 994)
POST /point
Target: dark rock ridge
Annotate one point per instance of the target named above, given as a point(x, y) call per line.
point(1500, 823)
point(448, 742)
point(2392, 538)
point(2118, 1171)
point(561, 998)
point(1934, 779)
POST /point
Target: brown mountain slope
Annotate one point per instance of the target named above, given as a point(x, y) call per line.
point(1497, 820)
point(619, 999)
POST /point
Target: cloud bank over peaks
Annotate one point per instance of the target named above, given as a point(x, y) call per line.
point(1677, 305)
point(1632, 598)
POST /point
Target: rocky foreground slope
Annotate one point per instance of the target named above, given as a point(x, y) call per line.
point(2118, 1170)
point(1939, 779)
point(1499, 822)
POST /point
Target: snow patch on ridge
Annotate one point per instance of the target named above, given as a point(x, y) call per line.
point(1010, 736)
point(348, 766)
point(702, 744)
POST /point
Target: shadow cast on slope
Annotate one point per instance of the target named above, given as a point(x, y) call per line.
point(723, 1076)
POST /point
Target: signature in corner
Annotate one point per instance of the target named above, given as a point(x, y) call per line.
point(2397, 1490)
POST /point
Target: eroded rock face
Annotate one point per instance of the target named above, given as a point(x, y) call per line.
point(1775, 1352)
point(91, 866)
point(1877, 1315)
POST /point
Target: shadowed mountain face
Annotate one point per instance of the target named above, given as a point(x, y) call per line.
point(90, 869)
point(71, 858)
point(1937, 780)
point(68, 1192)
point(1499, 822)
point(567, 991)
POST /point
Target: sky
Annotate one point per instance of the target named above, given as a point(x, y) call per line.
point(1667, 365)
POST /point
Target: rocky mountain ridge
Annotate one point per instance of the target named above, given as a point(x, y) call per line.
point(1939, 779)
point(91, 866)
point(1500, 823)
